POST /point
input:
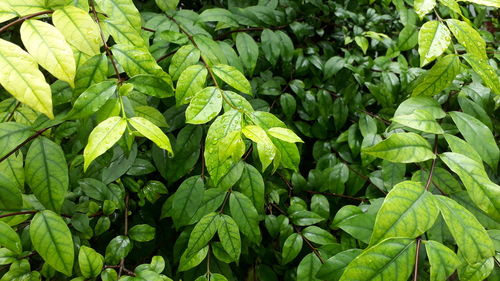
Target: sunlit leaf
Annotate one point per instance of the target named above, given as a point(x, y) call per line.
point(402, 148)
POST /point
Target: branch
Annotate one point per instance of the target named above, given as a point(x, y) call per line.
point(22, 19)
point(338, 195)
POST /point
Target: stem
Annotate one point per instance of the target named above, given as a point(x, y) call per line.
point(106, 47)
point(338, 195)
point(228, 193)
point(21, 19)
point(315, 251)
point(431, 172)
point(125, 232)
point(11, 115)
point(166, 56)
point(223, 35)
point(415, 272)
point(18, 214)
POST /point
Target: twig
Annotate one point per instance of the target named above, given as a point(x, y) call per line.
point(431, 172)
point(106, 47)
point(228, 193)
point(32, 212)
point(21, 19)
point(127, 271)
point(11, 115)
point(223, 35)
point(166, 56)
point(125, 232)
point(148, 29)
point(338, 195)
point(415, 273)
point(311, 246)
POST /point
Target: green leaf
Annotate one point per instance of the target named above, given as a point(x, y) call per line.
point(122, 11)
point(49, 48)
point(427, 104)
point(460, 146)
point(123, 33)
point(20, 76)
point(79, 29)
point(167, 5)
point(468, 37)
point(152, 132)
point(479, 136)
point(252, 185)
point(152, 114)
point(103, 137)
point(11, 135)
point(265, 147)
point(137, 61)
point(362, 42)
point(423, 7)
point(205, 105)
point(9, 238)
point(142, 233)
point(11, 181)
point(229, 235)
point(47, 173)
point(433, 39)
point(408, 211)
point(304, 218)
point(187, 200)
point(90, 101)
point(284, 134)
point(90, 262)
point(92, 71)
point(188, 263)
point(248, 50)
point(186, 56)
point(202, 233)
point(439, 77)
point(152, 85)
point(271, 45)
point(52, 240)
point(308, 267)
point(245, 215)
point(190, 82)
point(485, 71)
point(391, 259)
point(478, 271)
point(471, 237)
point(443, 261)
point(483, 192)
point(420, 120)
point(233, 77)
point(291, 248)
point(402, 148)
point(117, 249)
point(210, 50)
point(334, 267)
point(318, 235)
point(408, 38)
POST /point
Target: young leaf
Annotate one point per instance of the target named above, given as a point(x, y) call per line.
point(423, 7)
point(202, 233)
point(265, 147)
point(103, 137)
point(52, 240)
point(90, 262)
point(248, 50)
point(484, 193)
point(468, 37)
point(190, 82)
point(438, 77)
point(90, 101)
point(232, 77)
point(186, 56)
point(284, 134)
point(47, 173)
point(433, 39)
point(402, 148)
point(204, 106)
point(20, 76)
point(420, 120)
point(79, 29)
point(187, 200)
point(252, 185)
point(408, 211)
point(291, 248)
point(245, 215)
point(152, 132)
point(443, 261)
point(9, 238)
point(229, 235)
point(49, 48)
point(479, 136)
point(123, 12)
point(470, 236)
point(391, 259)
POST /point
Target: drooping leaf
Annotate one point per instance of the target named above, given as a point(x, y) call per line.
point(188, 263)
point(433, 39)
point(210, 50)
point(47, 173)
point(391, 259)
point(233, 78)
point(49, 48)
point(190, 82)
point(291, 248)
point(79, 29)
point(402, 148)
point(52, 240)
point(152, 132)
point(479, 136)
point(438, 77)
point(21, 77)
point(187, 200)
point(204, 106)
point(103, 137)
point(443, 261)
point(408, 211)
point(229, 235)
point(90, 101)
point(90, 262)
point(470, 236)
point(245, 215)
point(483, 192)
point(202, 233)
point(9, 238)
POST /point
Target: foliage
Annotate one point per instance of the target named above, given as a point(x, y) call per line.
point(249, 140)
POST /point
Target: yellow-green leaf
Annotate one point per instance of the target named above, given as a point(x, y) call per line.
point(6, 12)
point(26, 7)
point(205, 105)
point(103, 137)
point(421, 120)
point(152, 132)
point(433, 39)
point(468, 37)
point(491, 3)
point(402, 148)
point(438, 77)
point(49, 48)
point(186, 56)
point(191, 81)
point(485, 71)
point(79, 29)
point(233, 77)
point(20, 76)
point(423, 7)
point(265, 146)
point(122, 11)
point(284, 134)
point(443, 260)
